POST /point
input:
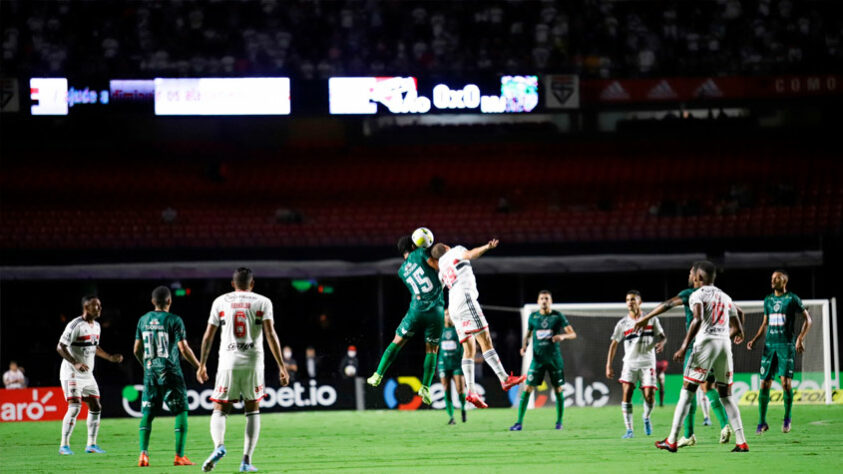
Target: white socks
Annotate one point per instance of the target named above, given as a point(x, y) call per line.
point(93, 427)
point(494, 362)
point(648, 408)
point(69, 422)
point(626, 408)
point(253, 430)
point(218, 427)
point(734, 418)
point(468, 373)
point(679, 415)
point(703, 402)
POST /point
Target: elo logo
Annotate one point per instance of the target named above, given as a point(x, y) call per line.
point(437, 394)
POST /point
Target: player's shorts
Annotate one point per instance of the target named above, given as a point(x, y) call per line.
point(77, 388)
point(554, 367)
point(710, 377)
point(645, 376)
point(431, 322)
point(449, 370)
point(233, 384)
point(467, 316)
point(710, 357)
point(778, 360)
point(164, 387)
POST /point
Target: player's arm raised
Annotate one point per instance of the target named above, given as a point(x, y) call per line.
point(526, 342)
point(569, 334)
point(800, 340)
point(204, 352)
point(661, 308)
point(613, 348)
point(476, 252)
point(758, 334)
point(65, 354)
point(275, 348)
point(693, 329)
point(116, 358)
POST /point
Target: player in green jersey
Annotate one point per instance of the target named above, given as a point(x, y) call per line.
point(159, 340)
point(426, 313)
point(547, 328)
point(781, 309)
point(450, 367)
point(689, 438)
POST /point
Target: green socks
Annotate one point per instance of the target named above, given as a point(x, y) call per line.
point(560, 406)
point(449, 405)
point(522, 407)
point(429, 368)
point(181, 432)
point(788, 403)
point(717, 407)
point(145, 428)
point(689, 420)
point(763, 401)
point(388, 357)
point(462, 401)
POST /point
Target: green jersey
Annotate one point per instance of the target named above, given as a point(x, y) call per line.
point(450, 349)
point(422, 281)
point(160, 333)
point(781, 312)
point(544, 327)
point(685, 295)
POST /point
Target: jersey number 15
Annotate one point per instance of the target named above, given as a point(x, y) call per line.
point(419, 282)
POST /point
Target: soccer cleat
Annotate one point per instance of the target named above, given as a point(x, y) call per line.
point(246, 467)
point(725, 434)
point(375, 379)
point(762, 427)
point(475, 400)
point(511, 381)
point(741, 448)
point(143, 460)
point(94, 449)
point(452, 422)
point(786, 426)
point(558, 426)
point(516, 427)
point(664, 444)
point(424, 393)
point(183, 461)
point(65, 450)
point(686, 442)
point(648, 427)
point(463, 416)
point(706, 421)
point(628, 435)
point(213, 459)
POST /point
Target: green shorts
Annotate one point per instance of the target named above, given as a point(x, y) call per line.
point(431, 322)
point(448, 370)
point(778, 360)
point(164, 387)
point(555, 367)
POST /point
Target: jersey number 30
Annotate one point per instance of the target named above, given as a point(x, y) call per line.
point(155, 344)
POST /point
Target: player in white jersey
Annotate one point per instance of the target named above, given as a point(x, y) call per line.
point(713, 312)
point(639, 360)
point(243, 317)
point(78, 345)
point(454, 267)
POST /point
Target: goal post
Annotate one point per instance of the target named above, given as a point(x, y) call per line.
point(585, 356)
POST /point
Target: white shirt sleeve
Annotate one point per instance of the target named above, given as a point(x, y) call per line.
point(214, 318)
point(617, 335)
point(67, 336)
point(267, 310)
point(657, 327)
point(696, 297)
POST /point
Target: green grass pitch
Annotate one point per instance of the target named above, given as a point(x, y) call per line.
point(420, 441)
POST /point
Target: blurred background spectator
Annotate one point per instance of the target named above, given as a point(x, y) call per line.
point(14, 378)
point(349, 363)
point(290, 363)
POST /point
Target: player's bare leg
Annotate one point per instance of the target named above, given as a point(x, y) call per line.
point(626, 409)
point(649, 403)
point(734, 414)
point(218, 418)
point(491, 357)
point(94, 411)
point(787, 392)
point(253, 429)
point(389, 355)
point(469, 350)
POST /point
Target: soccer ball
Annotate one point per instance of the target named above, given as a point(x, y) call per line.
point(423, 237)
point(350, 370)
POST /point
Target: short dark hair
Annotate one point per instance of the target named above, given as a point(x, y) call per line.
point(437, 251)
point(160, 296)
point(87, 298)
point(405, 244)
point(783, 272)
point(546, 292)
point(634, 292)
point(242, 278)
point(708, 268)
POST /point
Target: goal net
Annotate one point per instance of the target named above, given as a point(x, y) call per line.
point(585, 357)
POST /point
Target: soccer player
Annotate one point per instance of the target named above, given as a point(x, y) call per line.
point(159, 340)
point(426, 313)
point(661, 367)
point(547, 328)
point(781, 309)
point(639, 360)
point(450, 369)
point(712, 352)
point(454, 266)
point(243, 317)
point(690, 438)
point(78, 345)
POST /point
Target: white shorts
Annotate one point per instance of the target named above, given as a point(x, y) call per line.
point(232, 384)
point(710, 356)
point(77, 388)
point(467, 316)
point(645, 375)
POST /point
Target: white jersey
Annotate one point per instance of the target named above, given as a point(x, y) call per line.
point(639, 347)
point(717, 309)
point(240, 316)
point(455, 273)
point(81, 339)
